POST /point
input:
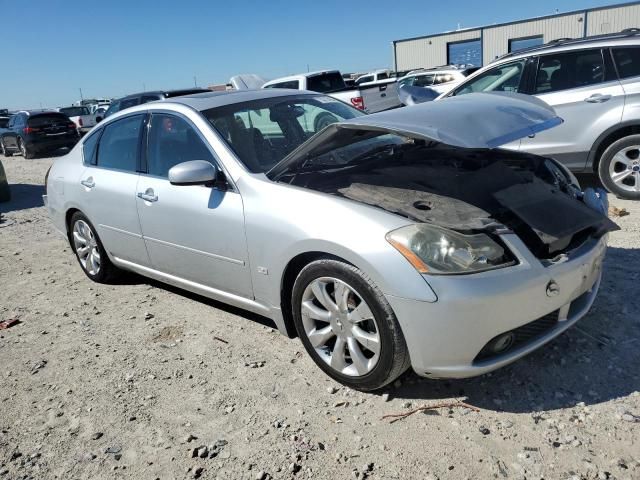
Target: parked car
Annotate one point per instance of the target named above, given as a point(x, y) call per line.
point(99, 114)
point(593, 84)
point(440, 79)
point(31, 133)
point(5, 192)
point(374, 77)
point(81, 116)
point(387, 240)
point(375, 98)
point(145, 97)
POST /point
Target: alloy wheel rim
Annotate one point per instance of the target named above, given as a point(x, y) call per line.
point(340, 326)
point(23, 149)
point(624, 169)
point(86, 247)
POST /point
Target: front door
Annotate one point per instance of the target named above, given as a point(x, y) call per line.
point(193, 232)
point(585, 94)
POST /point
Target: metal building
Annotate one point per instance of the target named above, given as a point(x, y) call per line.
point(479, 46)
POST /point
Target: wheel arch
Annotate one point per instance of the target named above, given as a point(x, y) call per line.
point(609, 136)
point(291, 272)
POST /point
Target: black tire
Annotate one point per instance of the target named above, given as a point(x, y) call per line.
point(633, 156)
point(323, 120)
point(26, 151)
point(393, 357)
point(3, 150)
point(107, 271)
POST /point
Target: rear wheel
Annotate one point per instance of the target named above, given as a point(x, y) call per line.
point(619, 168)
point(347, 326)
point(89, 250)
point(24, 150)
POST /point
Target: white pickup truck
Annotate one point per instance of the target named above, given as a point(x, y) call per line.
point(81, 116)
point(371, 99)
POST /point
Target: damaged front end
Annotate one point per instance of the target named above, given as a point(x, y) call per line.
point(446, 175)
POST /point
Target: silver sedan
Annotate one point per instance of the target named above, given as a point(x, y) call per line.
point(404, 238)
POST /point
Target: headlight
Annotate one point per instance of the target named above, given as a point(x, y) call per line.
point(436, 250)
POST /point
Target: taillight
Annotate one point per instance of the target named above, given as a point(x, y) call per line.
point(79, 122)
point(30, 130)
point(358, 102)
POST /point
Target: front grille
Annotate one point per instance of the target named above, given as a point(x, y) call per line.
point(522, 335)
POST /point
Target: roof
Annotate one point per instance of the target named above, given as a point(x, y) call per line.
point(166, 93)
point(205, 101)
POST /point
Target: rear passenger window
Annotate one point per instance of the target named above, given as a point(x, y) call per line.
point(89, 148)
point(423, 81)
point(149, 98)
point(172, 141)
point(120, 144)
point(563, 71)
point(627, 61)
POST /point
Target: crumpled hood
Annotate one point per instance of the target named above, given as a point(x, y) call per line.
point(476, 120)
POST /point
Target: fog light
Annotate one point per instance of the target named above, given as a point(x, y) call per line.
point(502, 343)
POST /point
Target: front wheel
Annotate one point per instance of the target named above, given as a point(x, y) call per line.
point(89, 250)
point(619, 168)
point(347, 326)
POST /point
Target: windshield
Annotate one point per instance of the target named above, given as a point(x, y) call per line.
point(75, 111)
point(326, 82)
point(356, 147)
point(263, 132)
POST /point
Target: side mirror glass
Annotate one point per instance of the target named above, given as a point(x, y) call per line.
point(195, 172)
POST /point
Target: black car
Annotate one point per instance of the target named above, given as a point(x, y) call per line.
point(146, 97)
point(30, 133)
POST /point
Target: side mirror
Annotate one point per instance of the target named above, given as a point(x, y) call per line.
point(195, 172)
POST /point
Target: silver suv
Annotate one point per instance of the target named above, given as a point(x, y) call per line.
point(594, 85)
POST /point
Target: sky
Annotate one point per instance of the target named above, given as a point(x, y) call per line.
point(110, 48)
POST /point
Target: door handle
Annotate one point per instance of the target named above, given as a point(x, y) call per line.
point(89, 183)
point(148, 195)
point(597, 98)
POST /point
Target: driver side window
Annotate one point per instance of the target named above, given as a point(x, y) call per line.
point(172, 140)
point(503, 78)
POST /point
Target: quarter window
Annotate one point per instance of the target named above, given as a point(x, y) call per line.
point(563, 71)
point(89, 148)
point(503, 78)
point(120, 144)
point(627, 61)
point(172, 141)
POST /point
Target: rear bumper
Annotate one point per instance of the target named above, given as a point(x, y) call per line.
point(52, 143)
point(446, 337)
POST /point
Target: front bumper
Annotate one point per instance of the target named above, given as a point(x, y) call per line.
point(446, 337)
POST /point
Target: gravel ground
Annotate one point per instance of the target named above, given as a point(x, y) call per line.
point(139, 380)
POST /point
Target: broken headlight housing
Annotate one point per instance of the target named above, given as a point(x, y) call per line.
point(437, 250)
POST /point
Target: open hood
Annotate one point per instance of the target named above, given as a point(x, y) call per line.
point(476, 120)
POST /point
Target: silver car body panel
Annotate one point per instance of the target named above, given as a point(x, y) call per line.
point(235, 245)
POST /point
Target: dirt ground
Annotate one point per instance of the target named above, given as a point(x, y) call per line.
point(132, 380)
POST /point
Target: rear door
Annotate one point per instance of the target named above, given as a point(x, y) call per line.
point(627, 62)
point(9, 138)
point(193, 232)
point(108, 187)
point(582, 86)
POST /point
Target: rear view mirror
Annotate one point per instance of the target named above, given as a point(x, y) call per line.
point(195, 172)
